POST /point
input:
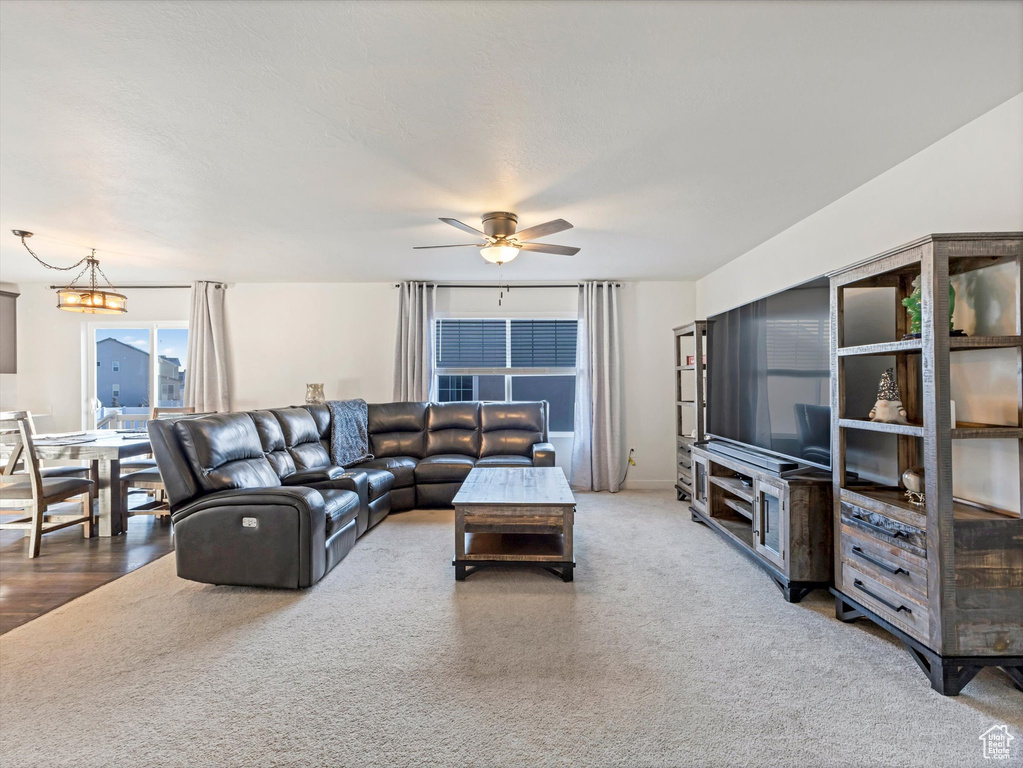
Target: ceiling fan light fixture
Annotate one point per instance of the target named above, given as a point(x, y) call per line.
point(499, 254)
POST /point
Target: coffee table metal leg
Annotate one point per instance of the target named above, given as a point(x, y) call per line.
point(459, 572)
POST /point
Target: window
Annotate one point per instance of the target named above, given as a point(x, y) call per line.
point(509, 359)
point(128, 375)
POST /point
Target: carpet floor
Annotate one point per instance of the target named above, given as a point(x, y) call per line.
point(669, 649)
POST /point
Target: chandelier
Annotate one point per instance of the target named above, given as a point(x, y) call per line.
point(83, 294)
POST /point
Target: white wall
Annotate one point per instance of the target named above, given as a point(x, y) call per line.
point(971, 180)
point(649, 313)
point(50, 345)
point(282, 336)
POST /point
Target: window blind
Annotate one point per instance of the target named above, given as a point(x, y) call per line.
point(543, 343)
point(471, 344)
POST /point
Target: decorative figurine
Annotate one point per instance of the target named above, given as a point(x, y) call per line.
point(913, 309)
point(913, 479)
point(888, 407)
point(314, 394)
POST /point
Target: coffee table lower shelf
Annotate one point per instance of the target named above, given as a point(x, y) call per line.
point(532, 550)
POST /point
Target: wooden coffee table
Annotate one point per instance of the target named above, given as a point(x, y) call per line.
point(519, 516)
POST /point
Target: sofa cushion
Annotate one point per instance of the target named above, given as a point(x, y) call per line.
point(511, 428)
point(302, 437)
point(341, 507)
point(509, 442)
point(504, 460)
point(528, 417)
point(445, 468)
point(272, 439)
point(380, 481)
point(224, 452)
point(402, 468)
point(453, 428)
point(321, 415)
point(397, 429)
point(397, 417)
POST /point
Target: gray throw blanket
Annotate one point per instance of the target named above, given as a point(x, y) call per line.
point(349, 432)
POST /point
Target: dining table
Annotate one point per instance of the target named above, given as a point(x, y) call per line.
point(105, 450)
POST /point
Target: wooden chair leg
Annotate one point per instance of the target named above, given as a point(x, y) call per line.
point(35, 531)
point(89, 528)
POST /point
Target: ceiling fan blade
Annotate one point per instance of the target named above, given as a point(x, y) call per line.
point(457, 245)
point(542, 230)
point(464, 227)
point(560, 250)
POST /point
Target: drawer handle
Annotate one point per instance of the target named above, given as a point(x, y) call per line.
point(879, 563)
point(897, 608)
point(878, 529)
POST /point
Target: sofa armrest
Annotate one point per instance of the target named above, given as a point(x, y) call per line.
point(270, 537)
point(351, 480)
point(543, 455)
point(309, 476)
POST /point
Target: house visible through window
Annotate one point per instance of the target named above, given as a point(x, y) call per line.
point(129, 376)
point(509, 359)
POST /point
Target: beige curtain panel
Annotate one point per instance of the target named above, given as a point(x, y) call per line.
point(597, 449)
point(206, 376)
point(413, 349)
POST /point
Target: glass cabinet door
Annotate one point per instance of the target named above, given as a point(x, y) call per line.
point(700, 483)
point(770, 522)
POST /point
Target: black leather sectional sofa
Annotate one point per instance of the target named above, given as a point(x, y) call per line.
point(256, 501)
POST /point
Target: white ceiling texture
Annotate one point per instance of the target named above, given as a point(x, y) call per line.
point(320, 141)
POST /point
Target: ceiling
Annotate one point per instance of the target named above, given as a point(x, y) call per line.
point(282, 141)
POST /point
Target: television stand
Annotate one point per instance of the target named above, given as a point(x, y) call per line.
point(783, 522)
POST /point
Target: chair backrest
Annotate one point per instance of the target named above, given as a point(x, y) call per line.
point(223, 452)
point(10, 439)
point(161, 413)
point(124, 421)
point(302, 437)
point(21, 450)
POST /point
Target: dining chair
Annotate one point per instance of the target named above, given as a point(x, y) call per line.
point(10, 437)
point(30, 490)
point(148, 478)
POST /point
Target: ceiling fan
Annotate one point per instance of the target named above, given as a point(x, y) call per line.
point(501, 243)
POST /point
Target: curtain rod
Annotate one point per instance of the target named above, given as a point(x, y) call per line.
point(128, 287)
point(507, 286)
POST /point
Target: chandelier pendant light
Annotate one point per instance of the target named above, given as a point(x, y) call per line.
point(84, 294)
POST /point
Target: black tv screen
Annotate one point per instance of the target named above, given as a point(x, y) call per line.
point(768, 374)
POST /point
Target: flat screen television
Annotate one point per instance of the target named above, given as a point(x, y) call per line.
point(768, 374)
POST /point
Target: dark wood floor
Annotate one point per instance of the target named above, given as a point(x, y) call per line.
point(70, 565)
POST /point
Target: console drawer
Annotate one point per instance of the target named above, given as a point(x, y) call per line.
point(891, 565)
point(885, 529)
point(905, 613)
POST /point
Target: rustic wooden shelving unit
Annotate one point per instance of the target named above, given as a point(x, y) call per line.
point(690, 414)
point(944, 577)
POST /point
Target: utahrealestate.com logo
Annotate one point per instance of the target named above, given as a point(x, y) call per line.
point(997, 741)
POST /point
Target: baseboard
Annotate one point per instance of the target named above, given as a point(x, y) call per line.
point(648, 485)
